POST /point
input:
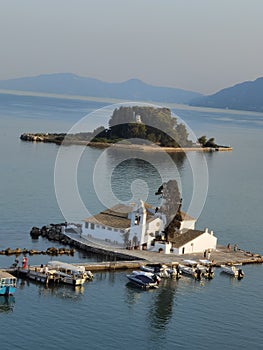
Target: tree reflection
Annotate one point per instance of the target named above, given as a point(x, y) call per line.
point(161, 311)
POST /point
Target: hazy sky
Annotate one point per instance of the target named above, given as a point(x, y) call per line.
point(200, 45)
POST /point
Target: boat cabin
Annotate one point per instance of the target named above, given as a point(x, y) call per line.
point(7, 283)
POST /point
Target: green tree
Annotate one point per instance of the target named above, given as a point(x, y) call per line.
point(211, 143)
point(171, 206)
point(157, 125)
point(202, 140)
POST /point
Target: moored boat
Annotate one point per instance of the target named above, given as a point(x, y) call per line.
point(71, 274)
point(188, 271)
point(162, 271)
point(7, 283)
point(43, 276)
point(196, 270)
point(233, 270)
point(143, 279)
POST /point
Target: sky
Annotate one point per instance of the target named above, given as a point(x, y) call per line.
point(198, 45)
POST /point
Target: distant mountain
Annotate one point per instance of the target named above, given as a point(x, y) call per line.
point(245, 96)
point(71, 84)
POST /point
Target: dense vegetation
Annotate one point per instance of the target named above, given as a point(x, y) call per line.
point(131, 125)
point(156, 125)
point(171, 207)
point(204, 142)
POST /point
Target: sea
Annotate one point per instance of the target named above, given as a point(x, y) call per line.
point(46, 183)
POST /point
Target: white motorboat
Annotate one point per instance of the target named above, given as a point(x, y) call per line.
point(198, 271)
point(144, 279)
point(233, 270)
point(162, 271)
point(188, 271)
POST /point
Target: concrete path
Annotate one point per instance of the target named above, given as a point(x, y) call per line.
point(220, 256)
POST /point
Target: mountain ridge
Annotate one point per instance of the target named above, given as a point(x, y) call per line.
point(72, 84)
point(242, 96)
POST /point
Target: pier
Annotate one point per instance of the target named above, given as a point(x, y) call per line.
point(137, 258)
point(122, 258)
point(119, 258)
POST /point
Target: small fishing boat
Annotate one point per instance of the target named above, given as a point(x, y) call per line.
point(188, 271)
point(189, 268)
point(69, 273)
point(196, 270)
point(40, 275)
point(233, 270)
point(7, 283)
point(207, 270)
point(143, 279)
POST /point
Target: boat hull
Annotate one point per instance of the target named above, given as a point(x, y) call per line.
point(188, 271)
point(142, 280)
point(232, 271)
point(41, 277)
point(7, 290)
point(73, 281)
point(7, 283)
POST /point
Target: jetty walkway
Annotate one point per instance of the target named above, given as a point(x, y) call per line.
point(134, 258)
point(117, 257)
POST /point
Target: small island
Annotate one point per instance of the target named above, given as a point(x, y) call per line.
point(142, 127)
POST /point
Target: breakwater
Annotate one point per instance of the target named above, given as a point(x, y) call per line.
point(49, 251)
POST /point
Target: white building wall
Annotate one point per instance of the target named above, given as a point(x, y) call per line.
point(155, 226)
point(188, 224)
point(199, 244)
point(166, 247)
point(103, 232)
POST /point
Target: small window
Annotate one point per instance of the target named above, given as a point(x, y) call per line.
point(86, 225)
point(109, 228)
point(103, 227)
point(92, 226)
point(116, 230)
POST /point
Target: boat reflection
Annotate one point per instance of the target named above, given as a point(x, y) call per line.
point(7, 303)
point(134, 293)
point(61, 291)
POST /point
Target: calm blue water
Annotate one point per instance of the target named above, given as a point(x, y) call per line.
point(107, 313)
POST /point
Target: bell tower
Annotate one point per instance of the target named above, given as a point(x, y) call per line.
point(138, 223)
